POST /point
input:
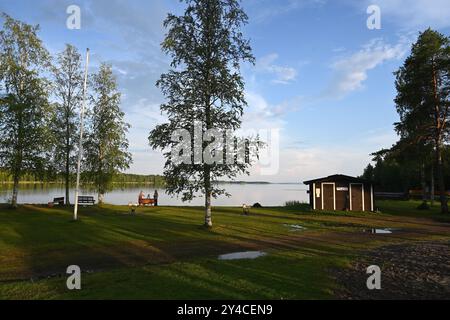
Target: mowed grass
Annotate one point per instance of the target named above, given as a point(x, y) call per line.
point(165, 253)
point(410, 209)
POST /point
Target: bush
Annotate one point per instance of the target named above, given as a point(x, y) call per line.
point(257, 205)
point(298, 205)
point(424, 206)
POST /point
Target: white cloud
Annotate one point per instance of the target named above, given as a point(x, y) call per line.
point(260, 114)
point(300, 164)
point(318, 162)
point(283, 75)
point(382, 138)
point(144, 116)
point(351, 72)
point(304, 161)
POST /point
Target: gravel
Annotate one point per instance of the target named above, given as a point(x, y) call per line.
point(419, 271)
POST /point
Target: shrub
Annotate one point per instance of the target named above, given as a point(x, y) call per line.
point(424, 206)
point(298, 205)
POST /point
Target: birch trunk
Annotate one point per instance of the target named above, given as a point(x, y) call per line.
point(67, 178)
point(15, 190)
point(101, 198)
point(208, 217)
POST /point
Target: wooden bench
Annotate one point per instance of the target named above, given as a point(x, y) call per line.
point(58, 201)
point(86, 200)
point(146, 202)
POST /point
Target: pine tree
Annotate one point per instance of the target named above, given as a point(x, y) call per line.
point(423, 86)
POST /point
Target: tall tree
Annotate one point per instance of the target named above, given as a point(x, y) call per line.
point(106, 146)
point(68, 89)
point(24, 106)
point(203, 88)
point(423, 86)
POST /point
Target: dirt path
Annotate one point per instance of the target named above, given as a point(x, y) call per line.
point(409, 271)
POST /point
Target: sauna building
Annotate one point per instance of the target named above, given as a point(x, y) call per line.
point(341, 193)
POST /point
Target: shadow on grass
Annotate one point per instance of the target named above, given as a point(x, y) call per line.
point(287, 275)
point(39, 241)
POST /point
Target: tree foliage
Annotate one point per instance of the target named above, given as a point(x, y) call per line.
point(68, 90)
point(24, 106)
point(204, 87)
point(106, 146)
point(423, 89)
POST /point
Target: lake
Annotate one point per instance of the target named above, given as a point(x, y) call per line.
point(266, 194)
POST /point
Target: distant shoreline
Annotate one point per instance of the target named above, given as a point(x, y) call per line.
point(149, 183)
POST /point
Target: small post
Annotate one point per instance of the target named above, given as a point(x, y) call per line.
point(80, 150)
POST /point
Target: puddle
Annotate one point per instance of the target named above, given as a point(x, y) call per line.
point(379, 231)
point(242, 255)
point(295, 227)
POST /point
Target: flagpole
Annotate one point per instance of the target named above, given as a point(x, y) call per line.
point(80, 149)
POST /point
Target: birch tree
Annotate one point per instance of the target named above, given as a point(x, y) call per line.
point(106, 146)
point(24, 107)
point(204, 89)
point(68, 90)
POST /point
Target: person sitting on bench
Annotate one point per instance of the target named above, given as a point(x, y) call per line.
point(141, 197)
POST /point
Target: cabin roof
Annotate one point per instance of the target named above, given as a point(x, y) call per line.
point(337, 177)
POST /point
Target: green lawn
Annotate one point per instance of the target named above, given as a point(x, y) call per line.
point(164, 253)
point(409, 209)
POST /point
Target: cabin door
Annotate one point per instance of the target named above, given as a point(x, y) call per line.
point(328, 197)
point(357, 197)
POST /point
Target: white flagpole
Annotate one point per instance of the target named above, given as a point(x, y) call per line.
point(80, 149)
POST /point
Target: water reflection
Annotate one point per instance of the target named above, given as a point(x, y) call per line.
point(266, 194)
point(295, 227)
point(379, 231)
point(242, 255)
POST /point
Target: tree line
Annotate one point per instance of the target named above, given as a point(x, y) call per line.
point(40, 98)
point(420, 158)
point(59, 178)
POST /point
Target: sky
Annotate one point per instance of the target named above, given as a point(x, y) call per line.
point(322, 77)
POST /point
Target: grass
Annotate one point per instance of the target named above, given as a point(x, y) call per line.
point(411, 209)
point(164, 253)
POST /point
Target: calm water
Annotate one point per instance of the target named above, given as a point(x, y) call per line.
point(266, 194)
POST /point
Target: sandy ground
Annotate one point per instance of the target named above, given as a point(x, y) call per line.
point(419, 271)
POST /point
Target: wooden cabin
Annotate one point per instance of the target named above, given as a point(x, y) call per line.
point(341, 193)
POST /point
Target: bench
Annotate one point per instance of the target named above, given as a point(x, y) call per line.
point(58, 201)
point(86, 200)
point(146, 202)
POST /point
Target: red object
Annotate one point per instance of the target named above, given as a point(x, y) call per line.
point(146, 202)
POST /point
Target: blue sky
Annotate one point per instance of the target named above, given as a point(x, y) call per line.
point(322, 77)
